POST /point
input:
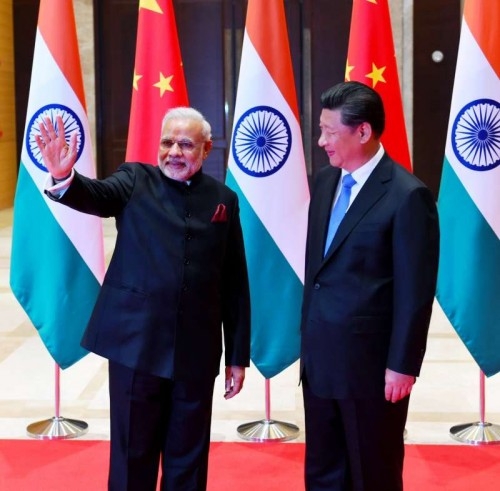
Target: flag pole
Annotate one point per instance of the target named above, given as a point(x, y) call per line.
point(266, 168)
point(268, 429)
point(57, 427)
point(479, 432)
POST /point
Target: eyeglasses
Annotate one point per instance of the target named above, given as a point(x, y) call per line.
point(184, 145)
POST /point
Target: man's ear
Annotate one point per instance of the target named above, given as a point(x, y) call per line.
point(207, 148)
point(365, 132)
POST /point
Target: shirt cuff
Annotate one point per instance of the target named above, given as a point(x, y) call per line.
point(56, 187)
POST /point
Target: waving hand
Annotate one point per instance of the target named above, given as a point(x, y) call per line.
point(58, 156)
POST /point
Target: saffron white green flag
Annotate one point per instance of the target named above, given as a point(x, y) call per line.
point(267, 170)
point(57, 261)
point(469, 196)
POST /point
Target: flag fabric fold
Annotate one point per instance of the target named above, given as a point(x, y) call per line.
point(469, 198)
point(267, 170)
point(371, 59)
point(158, 81)
point(57, 259)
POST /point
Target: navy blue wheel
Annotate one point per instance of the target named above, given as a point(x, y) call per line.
point(261, 141)
point(72, 124)
point(475, 135)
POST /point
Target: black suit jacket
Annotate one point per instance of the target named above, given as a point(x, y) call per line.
point(178, 272)
point(367, 303)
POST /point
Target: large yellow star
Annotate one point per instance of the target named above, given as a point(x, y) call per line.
point(377, 74)
point(348, 70)
point(164, 84)
point(136, 80)
point(150, 5)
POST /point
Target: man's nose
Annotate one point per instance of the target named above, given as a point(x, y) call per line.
point(175, 149)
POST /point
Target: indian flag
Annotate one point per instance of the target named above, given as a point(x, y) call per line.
point(57, 261)
point(469, 197)
point(267, 170)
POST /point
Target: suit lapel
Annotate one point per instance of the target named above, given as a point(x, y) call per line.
point(323, 212)
point(372, 191)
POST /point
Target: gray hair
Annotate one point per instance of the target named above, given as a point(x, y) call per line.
point(189, 113)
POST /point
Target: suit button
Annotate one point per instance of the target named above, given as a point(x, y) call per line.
point(317, 286)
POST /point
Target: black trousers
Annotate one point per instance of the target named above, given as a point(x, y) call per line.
point(353, 444)
point(158, 422)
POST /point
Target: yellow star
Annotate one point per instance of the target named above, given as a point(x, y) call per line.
point(348, 70)
point(377, 74)
point(136, 80)
point(150, 5)
point(164, 84)
point(371, 1)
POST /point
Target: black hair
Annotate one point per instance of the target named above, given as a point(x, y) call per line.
point(357, 103)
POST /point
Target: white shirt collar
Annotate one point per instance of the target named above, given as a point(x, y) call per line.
point(362, 174)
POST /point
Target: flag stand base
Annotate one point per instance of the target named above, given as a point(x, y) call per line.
point(476, 433)
point(57, 428)
point(268, 430)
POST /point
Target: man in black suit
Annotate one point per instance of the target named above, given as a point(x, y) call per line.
point(177, 275)
point(367, 303)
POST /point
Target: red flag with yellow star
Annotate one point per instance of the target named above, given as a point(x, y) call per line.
point(371, 59)
point(158, 83)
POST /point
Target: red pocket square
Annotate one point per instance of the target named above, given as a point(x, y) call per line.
point(220, 214)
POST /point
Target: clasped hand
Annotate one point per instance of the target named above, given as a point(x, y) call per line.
point(397, 385)
point(234, 378)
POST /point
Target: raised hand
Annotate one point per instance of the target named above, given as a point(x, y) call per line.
point(57, 155)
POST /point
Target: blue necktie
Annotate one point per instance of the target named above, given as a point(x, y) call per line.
point(339, 209)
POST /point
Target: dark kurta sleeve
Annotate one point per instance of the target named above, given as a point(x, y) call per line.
point(236, 301)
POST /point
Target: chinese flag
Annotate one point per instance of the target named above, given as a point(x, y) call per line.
point(158, 83)
point(371, 59)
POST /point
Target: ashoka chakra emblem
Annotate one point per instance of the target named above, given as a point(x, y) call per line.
point(475, 135)
point(261, 141)
point(71, 122)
